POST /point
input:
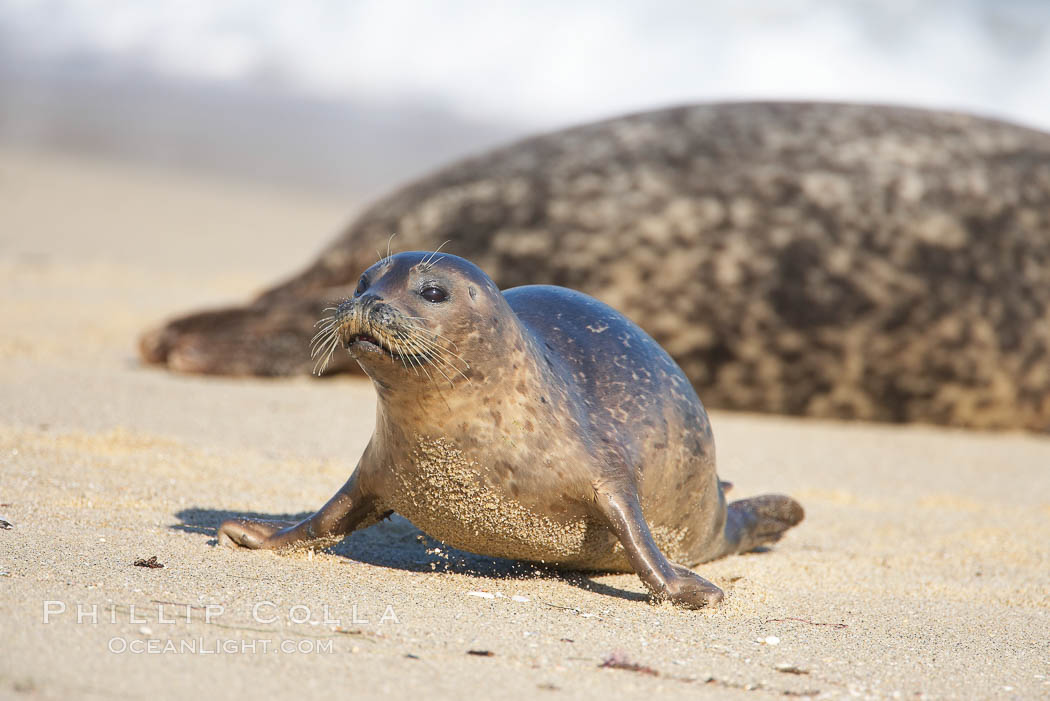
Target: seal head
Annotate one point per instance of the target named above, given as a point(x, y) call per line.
point(399, 323)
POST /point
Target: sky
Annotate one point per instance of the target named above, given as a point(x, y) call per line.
point(542, 64)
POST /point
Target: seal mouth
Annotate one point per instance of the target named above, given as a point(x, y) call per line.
point(370, 344)
point(365, 340)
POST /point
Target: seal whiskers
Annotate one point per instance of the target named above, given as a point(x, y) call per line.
point(429, 260)
point(404, 338)
point(434, 353)
point(325, 339)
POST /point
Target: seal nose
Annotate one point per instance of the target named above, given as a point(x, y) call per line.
point(351, 311)
point(380, 314)
point(360, 302)
point(366, 314)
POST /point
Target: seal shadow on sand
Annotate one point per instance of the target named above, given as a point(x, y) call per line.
point(396, 544)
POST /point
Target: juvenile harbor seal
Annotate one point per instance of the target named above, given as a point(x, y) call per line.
point(830, 260)
point(536, 424)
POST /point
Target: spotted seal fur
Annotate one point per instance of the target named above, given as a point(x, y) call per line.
point(535, 424)
point(831, 260)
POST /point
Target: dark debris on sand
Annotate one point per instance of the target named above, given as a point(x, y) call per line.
point(150, 562)
point(618, 661)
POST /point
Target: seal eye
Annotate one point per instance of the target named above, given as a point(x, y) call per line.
point(433, 294)
point(362, 285)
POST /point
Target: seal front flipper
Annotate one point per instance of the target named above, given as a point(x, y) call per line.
point(347, 511)
point(667, 581)
point(251, 533)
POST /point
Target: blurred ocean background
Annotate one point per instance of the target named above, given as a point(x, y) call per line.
point(344, 96)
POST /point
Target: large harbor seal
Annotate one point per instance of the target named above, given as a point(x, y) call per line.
point(831, 260)
point(536, 424)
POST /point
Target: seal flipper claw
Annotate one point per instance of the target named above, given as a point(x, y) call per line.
point(751, 523)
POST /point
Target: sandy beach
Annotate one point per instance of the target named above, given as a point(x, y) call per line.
point(922, 569)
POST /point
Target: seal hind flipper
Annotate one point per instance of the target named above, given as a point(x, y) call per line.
point(754, 522)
